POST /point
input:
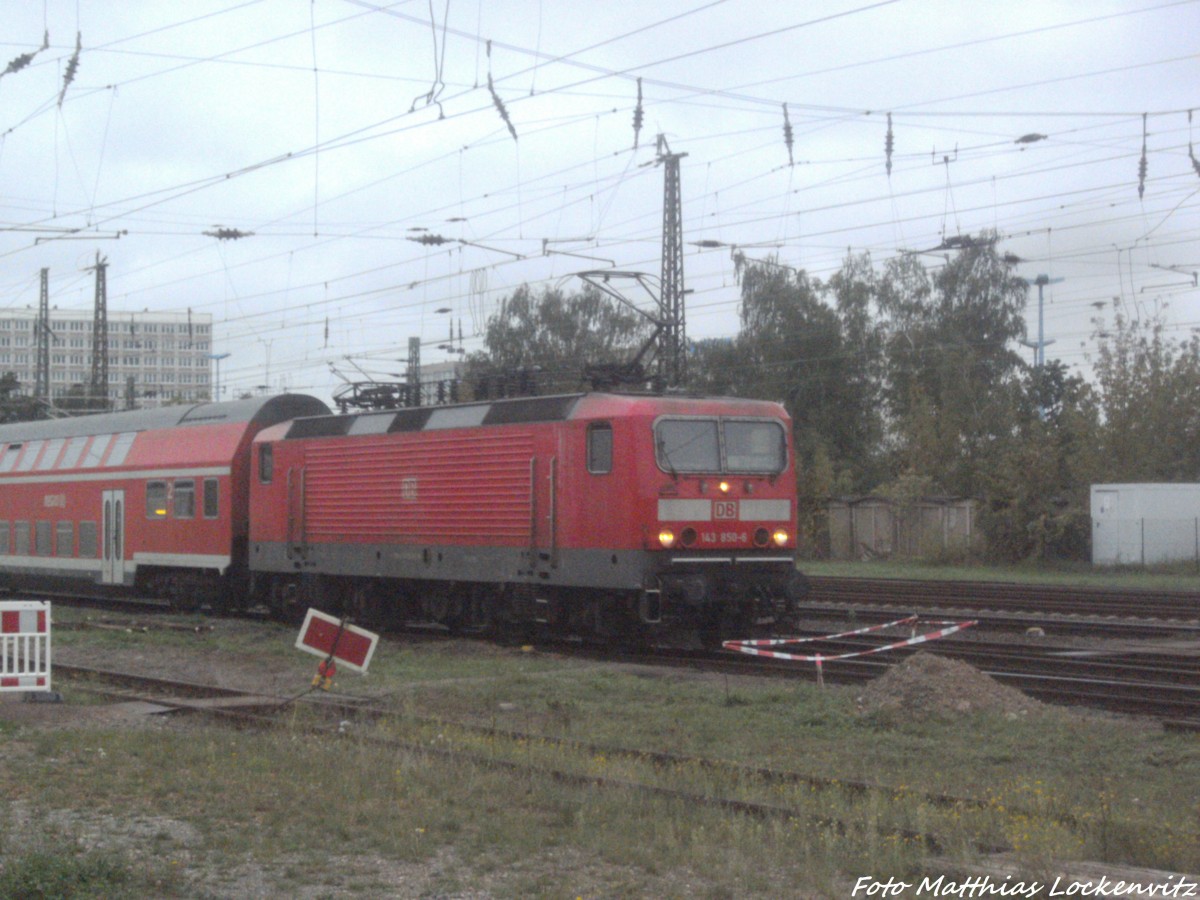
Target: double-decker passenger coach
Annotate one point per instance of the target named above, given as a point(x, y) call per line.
point(148, 501)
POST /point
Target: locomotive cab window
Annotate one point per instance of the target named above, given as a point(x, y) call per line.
point(688, 445)
point(599, 448)
point(156, 499)
point(185, 498)
point(266, 463)
point(754, 447)
point(720, 446)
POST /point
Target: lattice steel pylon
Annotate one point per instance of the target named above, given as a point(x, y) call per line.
point(98, 388)
point(41, 387)
point(672, 361)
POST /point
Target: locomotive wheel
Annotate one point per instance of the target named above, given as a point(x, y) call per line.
point(445, 608)
point(366, 604)
point(182, 595)
point(478, 614)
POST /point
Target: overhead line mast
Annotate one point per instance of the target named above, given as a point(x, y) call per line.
point(98, 393)
point(41, 390)
point(672, 361)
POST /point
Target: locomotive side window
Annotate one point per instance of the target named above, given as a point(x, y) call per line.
point(4, 538)
point(266, 463)
point(211, 498)
point(185, 499)
point(755, 447)
point(21, 538)
point(64, 539)
point(599, 448)
point(156, 500)
point(89, 542)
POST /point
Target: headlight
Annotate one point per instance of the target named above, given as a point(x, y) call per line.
point(780, 536)
point(666, 537)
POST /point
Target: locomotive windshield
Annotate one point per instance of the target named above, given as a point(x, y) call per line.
point(716, 446)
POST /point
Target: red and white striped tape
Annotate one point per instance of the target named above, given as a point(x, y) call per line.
point(754, 648)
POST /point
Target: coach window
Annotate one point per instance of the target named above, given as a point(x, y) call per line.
point(600, 448)
point(211, 498)
point(156, 499)
point(64, 539)
point(89, 543)
point(21, 538)
point(266, 463)
point(185, 499)
point(41, 537)
point(4, 537)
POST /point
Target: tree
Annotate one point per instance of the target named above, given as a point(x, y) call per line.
point(952, 370)
point(1150, 399)
point(552, 336)
point(1036, 490)
point(15, 406)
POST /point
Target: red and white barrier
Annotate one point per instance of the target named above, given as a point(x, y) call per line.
point(24, 645)
point(755, 648)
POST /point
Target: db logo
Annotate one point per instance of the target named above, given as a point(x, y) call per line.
point(725, 509)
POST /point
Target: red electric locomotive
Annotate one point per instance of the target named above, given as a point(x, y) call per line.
point(598, 514)
point(149, 501)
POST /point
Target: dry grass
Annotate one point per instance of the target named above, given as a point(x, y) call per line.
point(226, 813)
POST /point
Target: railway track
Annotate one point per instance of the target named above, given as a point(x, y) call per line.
point(1006, 598)
point(1163, 686)
point(1157, 684)
point(508, 750)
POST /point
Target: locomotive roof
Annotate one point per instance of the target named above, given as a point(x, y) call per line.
point(520, 410)
point(258, 410)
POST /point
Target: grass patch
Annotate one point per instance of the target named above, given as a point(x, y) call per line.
point(65, 872)
point(434, 812)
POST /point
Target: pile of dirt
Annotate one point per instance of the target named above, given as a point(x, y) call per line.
point(927, 684)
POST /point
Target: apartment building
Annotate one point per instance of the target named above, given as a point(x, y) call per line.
point(167, 354)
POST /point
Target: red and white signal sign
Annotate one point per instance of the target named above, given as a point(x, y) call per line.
point(329, 636)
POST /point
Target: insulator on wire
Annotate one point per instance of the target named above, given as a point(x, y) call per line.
point(20, 62)
point(787, 135)
point(1191, 153)
point(889, 144)
point(638, 115)
point(72, 68)
point(496, 97)
point(1142, 166)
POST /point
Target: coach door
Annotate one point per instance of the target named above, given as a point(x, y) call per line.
point(112, 540)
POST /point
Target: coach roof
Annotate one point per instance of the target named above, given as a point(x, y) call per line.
point(258, 410)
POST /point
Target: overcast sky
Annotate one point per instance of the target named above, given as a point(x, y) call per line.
point(338, 130)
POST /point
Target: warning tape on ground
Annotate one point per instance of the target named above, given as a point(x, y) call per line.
point(756, 648)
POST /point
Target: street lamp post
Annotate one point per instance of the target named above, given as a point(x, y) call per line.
point(217, 357)
point(1039, 349)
